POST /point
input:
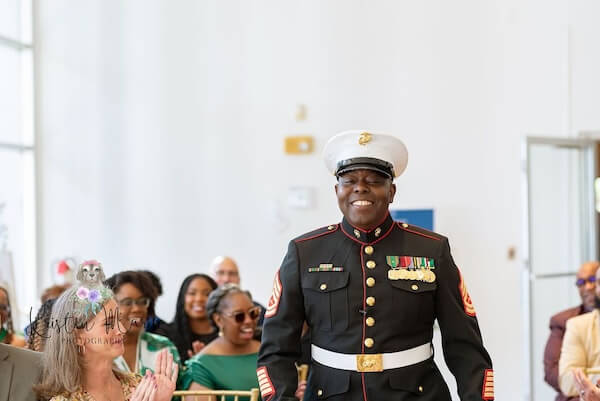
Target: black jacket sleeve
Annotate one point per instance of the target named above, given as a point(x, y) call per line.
point(281, 346)
point(463, 347)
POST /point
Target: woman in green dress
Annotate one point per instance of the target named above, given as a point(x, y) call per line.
point(229, 361)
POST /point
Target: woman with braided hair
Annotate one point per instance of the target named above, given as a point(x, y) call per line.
point(229, 361)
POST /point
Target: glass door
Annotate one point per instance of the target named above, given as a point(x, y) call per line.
point(562, 225)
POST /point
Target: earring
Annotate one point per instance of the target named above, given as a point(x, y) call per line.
point(81, 349)
point(220, 332)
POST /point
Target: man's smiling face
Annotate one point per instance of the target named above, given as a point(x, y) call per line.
point(364, 197)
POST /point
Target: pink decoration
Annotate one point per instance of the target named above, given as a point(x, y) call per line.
point(63, 267)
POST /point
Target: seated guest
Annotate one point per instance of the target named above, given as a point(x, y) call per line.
point(85, 339)
point(581, 347)
point(228, 362)
point(588, 391)
point(38, 329)
point(191, 329)
point(153, 323)
point(586, 284)
point(225, 271)
point(133, 292)
point(7, 331)
point(19, 371)
point(43, 316)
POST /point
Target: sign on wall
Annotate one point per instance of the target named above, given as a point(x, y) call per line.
point(418, 217)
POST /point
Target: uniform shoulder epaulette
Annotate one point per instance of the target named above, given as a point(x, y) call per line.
point(420, 231)
point(319, 232)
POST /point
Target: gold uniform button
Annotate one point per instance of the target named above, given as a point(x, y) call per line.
point(369, 342)
point(415, 287)
point(323, 287)
point(319, 392)
point(370, 282)
point(371, 264)
point(420, 389)
point(371, 301)
point(330, 227)
point(369, 250)
point(404, 225)
point(370, 322)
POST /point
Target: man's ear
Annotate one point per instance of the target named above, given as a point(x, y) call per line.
point(392, 192)
point(335, 188)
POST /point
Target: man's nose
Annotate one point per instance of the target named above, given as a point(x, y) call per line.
point(590, 286)
point(360, 187)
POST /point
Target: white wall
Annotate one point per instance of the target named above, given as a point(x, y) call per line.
point(162, 123)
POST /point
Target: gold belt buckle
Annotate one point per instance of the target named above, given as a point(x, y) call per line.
point(369, 363)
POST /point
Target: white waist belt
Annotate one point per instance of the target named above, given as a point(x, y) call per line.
point(372, 362)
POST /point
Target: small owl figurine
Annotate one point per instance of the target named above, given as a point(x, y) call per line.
point(90, 273)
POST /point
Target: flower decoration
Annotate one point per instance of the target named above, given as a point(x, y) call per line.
point(94, 296)
point(91, 294)
point(82, 293)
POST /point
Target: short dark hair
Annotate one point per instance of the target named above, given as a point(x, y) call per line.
point(155, 280)
point(138, 279)
point(38, 329)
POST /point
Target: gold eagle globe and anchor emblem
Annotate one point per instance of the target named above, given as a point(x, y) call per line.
point(364, 138)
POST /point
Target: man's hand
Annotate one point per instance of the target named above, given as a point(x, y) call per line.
point(300, 390)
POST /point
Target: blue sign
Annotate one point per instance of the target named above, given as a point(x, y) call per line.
point(417, 217)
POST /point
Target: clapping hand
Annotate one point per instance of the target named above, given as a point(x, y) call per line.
point(587, 390)
point(165, 377)
point(145, 390)
point(196, 347)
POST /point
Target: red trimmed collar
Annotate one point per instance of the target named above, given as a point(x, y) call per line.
point(366, 237)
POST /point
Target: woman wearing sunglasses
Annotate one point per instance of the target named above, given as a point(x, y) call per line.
point(134, 291)
point(229, 361)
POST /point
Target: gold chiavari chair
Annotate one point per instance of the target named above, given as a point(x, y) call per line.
point(218, 395)
point(302, 372)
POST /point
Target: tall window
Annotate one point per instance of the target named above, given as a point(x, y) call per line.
point(17, 151)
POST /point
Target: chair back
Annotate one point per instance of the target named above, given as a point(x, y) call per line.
point(219, 395)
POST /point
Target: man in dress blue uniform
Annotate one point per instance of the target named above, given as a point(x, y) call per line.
point(370, 289)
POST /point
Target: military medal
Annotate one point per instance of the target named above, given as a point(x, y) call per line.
point(325, 267)
point(393, 261)
point(411, 268)
point(420, 275)
point(395, 274)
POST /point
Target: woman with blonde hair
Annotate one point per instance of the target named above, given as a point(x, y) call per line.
point(84, 337)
